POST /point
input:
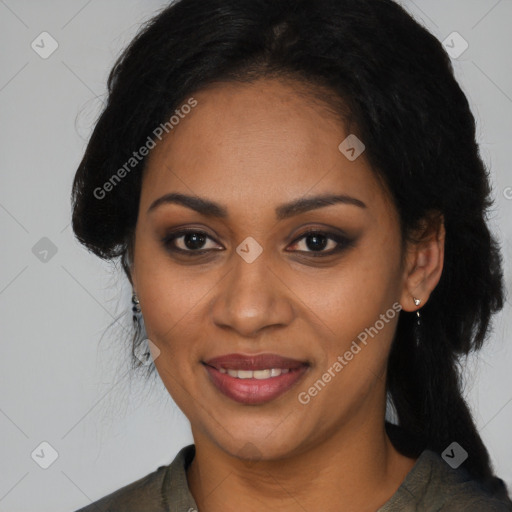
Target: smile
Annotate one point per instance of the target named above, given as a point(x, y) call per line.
point(254, 380)
point(257, 374)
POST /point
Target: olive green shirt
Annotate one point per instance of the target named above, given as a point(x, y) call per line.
point(431, 485)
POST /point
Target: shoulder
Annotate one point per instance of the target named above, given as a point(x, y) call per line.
point(433, 485)
point(147, 493)
point(143, 494)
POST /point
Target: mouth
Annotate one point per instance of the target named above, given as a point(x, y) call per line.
point(267, 373)
point(254, 380)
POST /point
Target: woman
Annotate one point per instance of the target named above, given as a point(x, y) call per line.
point(296, 195)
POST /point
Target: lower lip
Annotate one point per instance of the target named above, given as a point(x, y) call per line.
point(254, 391)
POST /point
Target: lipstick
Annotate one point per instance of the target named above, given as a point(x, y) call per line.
point(254, 379)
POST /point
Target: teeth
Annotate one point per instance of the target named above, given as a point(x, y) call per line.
point(257, 374)
point(262, 374)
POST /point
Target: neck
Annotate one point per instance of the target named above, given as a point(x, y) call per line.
point(357, 468)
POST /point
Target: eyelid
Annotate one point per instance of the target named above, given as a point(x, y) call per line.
point(342, 240)
point(169, 238)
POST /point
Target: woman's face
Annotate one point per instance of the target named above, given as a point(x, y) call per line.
point(262, 286)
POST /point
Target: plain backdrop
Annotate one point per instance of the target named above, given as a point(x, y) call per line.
point(63, 378)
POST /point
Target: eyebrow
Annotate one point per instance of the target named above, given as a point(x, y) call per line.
point(211, 209)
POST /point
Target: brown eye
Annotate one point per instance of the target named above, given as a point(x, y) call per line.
point(191, 241)
point(315, 241)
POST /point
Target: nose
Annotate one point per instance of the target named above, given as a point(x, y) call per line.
point(252, 298)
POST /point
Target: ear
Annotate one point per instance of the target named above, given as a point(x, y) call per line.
point(424, 261)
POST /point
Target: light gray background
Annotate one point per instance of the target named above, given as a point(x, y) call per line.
point(58, 383)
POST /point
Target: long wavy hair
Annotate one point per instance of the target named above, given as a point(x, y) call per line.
point(392, 81)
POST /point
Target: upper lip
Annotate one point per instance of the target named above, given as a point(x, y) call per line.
point(254, 362)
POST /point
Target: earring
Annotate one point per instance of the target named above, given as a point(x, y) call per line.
point(417, 326)
point(417, 302)
point(136, 307)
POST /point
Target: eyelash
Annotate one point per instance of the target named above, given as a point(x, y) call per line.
point(342, 241)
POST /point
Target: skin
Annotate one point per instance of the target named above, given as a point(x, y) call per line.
point(252, 147)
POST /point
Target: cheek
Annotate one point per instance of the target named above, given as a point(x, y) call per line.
point(358, 305)
point(166, 292)
point(168, 299)
point(351, 355)
point(168, 307)
point(356, 292)
point(355, 315)
point(172, 304)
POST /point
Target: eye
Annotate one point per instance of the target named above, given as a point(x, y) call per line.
point(191, 241)
point(315, 241)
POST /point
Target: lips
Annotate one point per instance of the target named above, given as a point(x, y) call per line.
point(254, 363)
point(254, 380)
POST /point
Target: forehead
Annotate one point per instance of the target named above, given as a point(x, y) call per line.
point(256, 142)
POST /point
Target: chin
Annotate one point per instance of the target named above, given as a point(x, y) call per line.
point(267, 442)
